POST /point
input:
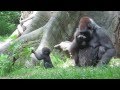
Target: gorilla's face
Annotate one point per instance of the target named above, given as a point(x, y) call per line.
point(84, 37)
point(46, 51)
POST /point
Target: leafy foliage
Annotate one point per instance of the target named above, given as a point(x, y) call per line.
point(3, 38)
point(17, 50)
point(8, 21)
point(20, 52)
point(5, 64)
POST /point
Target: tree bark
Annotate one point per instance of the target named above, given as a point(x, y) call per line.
point(117, 37)
point(39, 20)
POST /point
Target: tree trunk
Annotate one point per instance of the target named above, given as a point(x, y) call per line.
point(39, 20)
point(117, 37)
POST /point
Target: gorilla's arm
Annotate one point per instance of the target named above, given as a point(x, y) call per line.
point(76, 32)
point(74, 46)
point(108, 45)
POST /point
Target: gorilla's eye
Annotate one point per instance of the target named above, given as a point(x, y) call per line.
point(89, 28)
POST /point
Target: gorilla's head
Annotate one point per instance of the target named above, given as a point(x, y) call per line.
point(87, 23)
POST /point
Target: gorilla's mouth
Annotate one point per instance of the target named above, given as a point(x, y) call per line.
point(82, 36)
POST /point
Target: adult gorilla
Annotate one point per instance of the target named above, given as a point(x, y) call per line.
point(100, 48)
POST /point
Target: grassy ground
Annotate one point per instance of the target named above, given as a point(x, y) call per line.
point(63, 69)
point(67, 73)
point(112, 71)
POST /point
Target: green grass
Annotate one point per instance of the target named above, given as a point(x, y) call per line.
point(63, 69)
point(71, 72)
point(66, 73)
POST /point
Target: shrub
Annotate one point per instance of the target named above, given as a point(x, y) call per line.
point(5, 65)
point(8, 21)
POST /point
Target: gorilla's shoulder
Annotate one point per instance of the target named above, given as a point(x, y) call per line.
point(102, 33)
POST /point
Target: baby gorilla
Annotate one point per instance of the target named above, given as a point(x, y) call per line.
point(45, 57)
point(101, 51)
point(97, 53)
point(83, 39)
